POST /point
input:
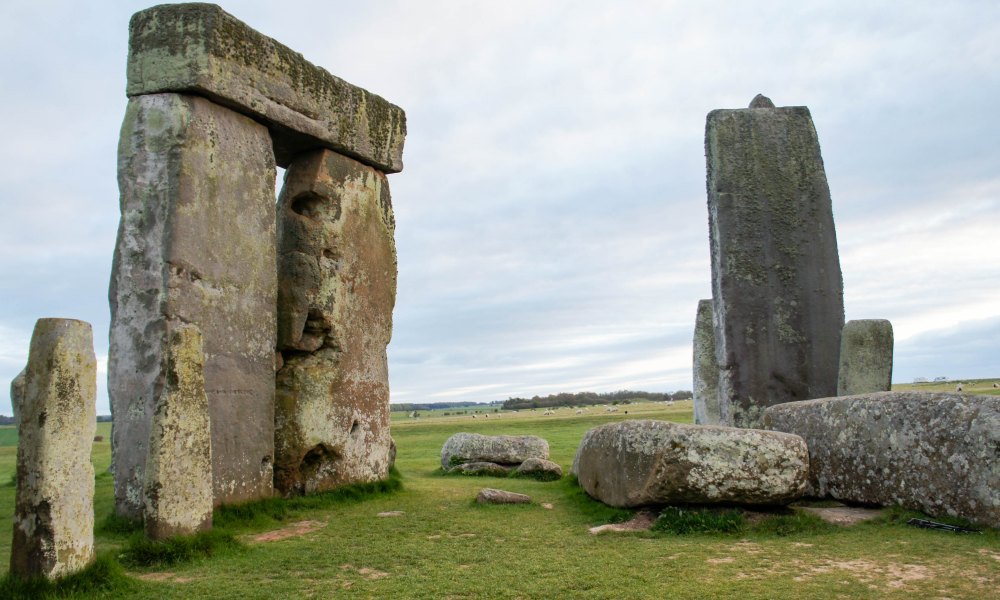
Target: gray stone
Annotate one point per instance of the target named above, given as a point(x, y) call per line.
point(17, 396)
point(481, 468)
point(865, 357)
point(501, 449)
point(54, 504)
point(776, 281)
point(492, 496)
point(706, 370)
point(196, 244)
point(336, 292)
point(934, 452)
point(539, 468)
point(178, 484)
point(761, 101)
point(202, 50)
point(640, 463)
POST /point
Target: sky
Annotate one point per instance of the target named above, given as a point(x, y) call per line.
point(551, 221)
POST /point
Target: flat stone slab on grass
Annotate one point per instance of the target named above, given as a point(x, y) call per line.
point(501, 449)
point(203, 50)
point(642, 521)
point(641, 463)
point(539, 468)
point(494, 496)
point(934, 452)
point(481, 468)
point(842, 515)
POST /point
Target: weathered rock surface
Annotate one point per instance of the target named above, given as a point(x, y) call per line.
point(178, 484)
point(501, 449)
point(706, 370)
point(202, 50)
point(196, 244)
point(776, 280)
point(482, 468)
point(54, 505)
point(934, 452)
point(336, 292)
point(17, 396)
point(639, 463)
point(539, 468)
point(865, 357)
point(492, 496)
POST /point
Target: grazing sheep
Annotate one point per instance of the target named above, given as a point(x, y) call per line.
point(473, 416)
point(486, 416)
point(995, 386)
point(579, 411)
point(958, 388)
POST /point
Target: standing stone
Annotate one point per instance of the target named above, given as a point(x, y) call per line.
point(706, 371)
point(336, 292)
point(17, 396)
point(54, 506)
point(178, 486)
point(776, 281)
point(196, 244)
point(865, 357)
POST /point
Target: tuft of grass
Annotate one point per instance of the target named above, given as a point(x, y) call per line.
point(795, 523)
point(114, 524)
point(103, 577)
point(593, 511)
point(898, 516)
point(683, 521)
point(140, 551)
point(262, 513)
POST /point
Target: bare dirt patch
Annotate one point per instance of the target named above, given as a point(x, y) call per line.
point(164, 576)
point(640, 522)
point(891, 575)
point(294, 530)
point(843, 515)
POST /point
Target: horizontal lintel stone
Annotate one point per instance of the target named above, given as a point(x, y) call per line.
point(201, 49)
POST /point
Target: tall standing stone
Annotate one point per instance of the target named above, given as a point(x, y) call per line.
point(17, 396)
point(776, 280)
point(178, 484)
point(196, 244)
point(54, 506)
point(706, 371)
point(865, 357)
point(336, 292)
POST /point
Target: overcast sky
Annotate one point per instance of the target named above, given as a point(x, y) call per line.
point(551, 218)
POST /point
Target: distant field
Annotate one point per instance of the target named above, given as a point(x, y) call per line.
point(969, 386)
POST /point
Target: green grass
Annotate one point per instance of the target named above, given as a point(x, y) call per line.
point(444, 546)
point(969, 386)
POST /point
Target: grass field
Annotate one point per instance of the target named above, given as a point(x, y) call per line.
point(446, 546)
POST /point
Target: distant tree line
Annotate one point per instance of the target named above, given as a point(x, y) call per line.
point(591, 398)
point(410, 407)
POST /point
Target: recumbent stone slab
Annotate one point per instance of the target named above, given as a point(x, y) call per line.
point(645, 462)
point(865, 357)
point(201, 49)
point(934, 452)
point(336, 292)
point(54, 505)
point(706, 370)
point(178, 485)
point(196, 244)
point(776, 280)
point(501, 449)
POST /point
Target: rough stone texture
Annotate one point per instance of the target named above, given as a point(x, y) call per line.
point(481, 468)
point(54, 505)
point(865, 357)
point(539, 468)
point(776, 281)
point(639, 463)
point(201, 49)
point(178, 485)
point(501, 449)
point(492, 496)
point(336, 292)
point(706, 370)
point(934, 452)
point(196, 244)
point(17, 396)
point(761, 101)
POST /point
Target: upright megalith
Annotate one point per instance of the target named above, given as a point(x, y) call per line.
point(54, 505)
point(178, 478)
point(16, 396)
point(865, 357)
point(706, 371)
point(336, 292)
point(776, 281)
point(195, 245)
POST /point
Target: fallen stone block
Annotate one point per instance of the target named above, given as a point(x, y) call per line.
point(492, 496)
point(934, 452)
point(640, 463)
point(539, 468)
point(865, 357)
point(202, 50)
point(54, 501)
point(481, 468)
point(501, 449)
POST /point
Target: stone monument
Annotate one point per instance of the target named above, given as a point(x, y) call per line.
point(213, 107)
point(54, 505)
point(776, 281)
point(706, 371)
point(865, 357)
